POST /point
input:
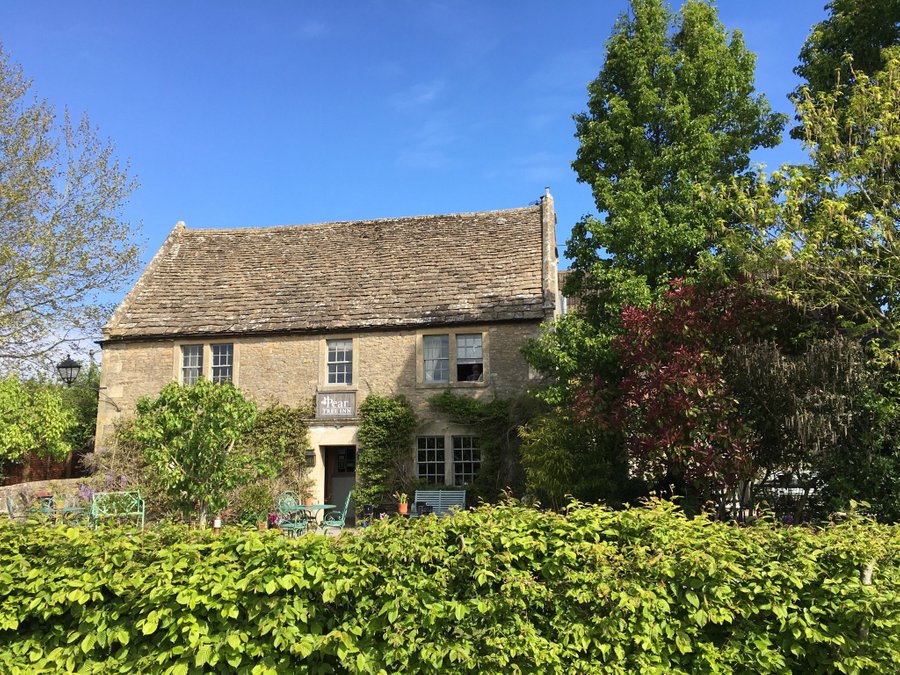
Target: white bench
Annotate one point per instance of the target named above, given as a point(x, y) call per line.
point(442, 500)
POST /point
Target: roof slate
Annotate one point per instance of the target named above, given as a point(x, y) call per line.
point(419, 271)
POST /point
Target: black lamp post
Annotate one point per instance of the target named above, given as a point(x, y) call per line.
point(68, 370)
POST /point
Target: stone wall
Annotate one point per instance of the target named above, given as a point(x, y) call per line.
point(290, 369)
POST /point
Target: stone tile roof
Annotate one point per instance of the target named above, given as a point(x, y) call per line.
point(419, 271)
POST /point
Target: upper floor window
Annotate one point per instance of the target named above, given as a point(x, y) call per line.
point(437, 357)
point(469, 358)
point(214, 361)
point(191, 363)
point(340, 361)
point(450, 359)
point(222, 363)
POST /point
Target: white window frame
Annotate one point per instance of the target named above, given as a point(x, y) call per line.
point(206, 359)
point(343, 367)
point(439, 361)
point(324, 384)
point(452, 380)
point(216, 369)
point(189, 374)
point(472, 445)
point(422, 446)
point(465, 344)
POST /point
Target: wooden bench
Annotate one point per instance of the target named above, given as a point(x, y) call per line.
point(116, 506)
point(442, 501)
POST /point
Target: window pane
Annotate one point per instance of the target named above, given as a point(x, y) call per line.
point(340, 361)
point(430, 459)
point(437, 357)
point(469, 358)
point(191, 363)
point(222, 363)
point(466, 459)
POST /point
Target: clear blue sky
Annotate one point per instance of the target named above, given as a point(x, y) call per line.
point(237, 114)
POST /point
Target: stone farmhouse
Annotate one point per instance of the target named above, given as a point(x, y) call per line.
point(336, 311)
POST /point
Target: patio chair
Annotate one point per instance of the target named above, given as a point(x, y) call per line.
point(13, 514)
point(337, 519)
point(290, 518)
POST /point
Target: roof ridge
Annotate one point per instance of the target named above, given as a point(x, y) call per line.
point(364, 221)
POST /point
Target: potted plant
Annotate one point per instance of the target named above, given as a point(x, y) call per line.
point(254, 504)
point(308, 499)
point(402, 501)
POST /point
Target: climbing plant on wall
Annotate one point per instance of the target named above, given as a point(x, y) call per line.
point(386, 426)
point(496, 423)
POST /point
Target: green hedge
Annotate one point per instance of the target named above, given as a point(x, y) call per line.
point(495, 589)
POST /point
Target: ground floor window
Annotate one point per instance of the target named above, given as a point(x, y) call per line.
point(466, 459)
point(430, 459)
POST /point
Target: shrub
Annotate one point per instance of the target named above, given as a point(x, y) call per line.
point(189, 437)
point(488, 590)
point(254, 502)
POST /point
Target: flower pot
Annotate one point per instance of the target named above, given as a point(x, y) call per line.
point(309, 501)
point(403, 508)
point(261, 525)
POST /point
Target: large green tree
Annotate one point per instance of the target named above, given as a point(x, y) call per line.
point(673, 109)
point(846, 44)
point(828, 232)
point(830, 227)
point(63, 243)
point(672, 116)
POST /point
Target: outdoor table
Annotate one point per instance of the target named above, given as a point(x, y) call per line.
point(314, 511)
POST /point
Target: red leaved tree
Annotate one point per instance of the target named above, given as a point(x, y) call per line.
point(681, 424)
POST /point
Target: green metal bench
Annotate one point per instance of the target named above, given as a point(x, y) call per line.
point(117, 506)
point(442, 501)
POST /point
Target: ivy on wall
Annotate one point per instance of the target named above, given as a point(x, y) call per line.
point(386, 426)
point(496, 424)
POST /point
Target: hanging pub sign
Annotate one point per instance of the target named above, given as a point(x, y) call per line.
point(336, 404)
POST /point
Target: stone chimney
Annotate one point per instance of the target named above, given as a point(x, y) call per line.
point(550, 257)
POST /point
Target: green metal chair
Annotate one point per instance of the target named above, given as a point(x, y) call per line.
point(290, 520)
point(337, 519)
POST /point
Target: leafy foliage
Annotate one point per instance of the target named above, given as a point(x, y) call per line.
point(33, 419)
point(672, 108)
point(496, 424)
point(62, 242)
point(386, 426)
point(815, 418)
point(563, 455)
point(190, 437)
point(279, 437)
point(494, 589)
point(830, 226)
point(255, 502)
point(846, 44)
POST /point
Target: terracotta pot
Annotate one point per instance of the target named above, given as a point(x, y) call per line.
point(309, 501)
point(262, 525)
point(403, 508)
